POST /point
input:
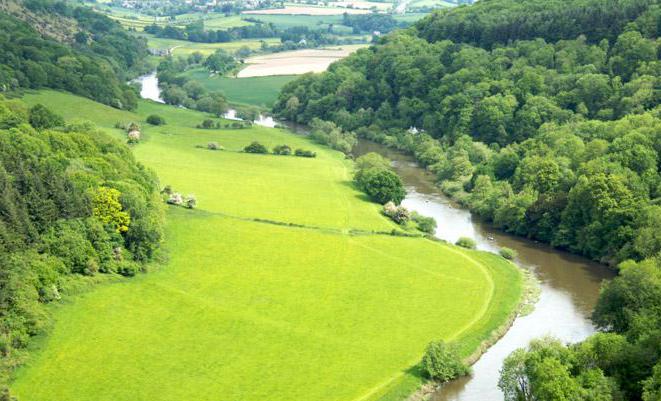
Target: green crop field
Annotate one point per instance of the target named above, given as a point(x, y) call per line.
point(183, 47)
point(248, 309)
point(222, 22)
point(256, 91)
point(289, 21)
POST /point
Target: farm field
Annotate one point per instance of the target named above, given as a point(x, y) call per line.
point(254, 310)
point(306, 10)
point(256, 91)
point(295, 62)
point(183, 47)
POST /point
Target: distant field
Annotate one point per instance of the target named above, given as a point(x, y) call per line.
point(289, 21)
point(409, 17)
point(366, 5)
point(430, 3)
point(248, 310)
point(306, 10)
point(295, 62)
point(183, 47)
point(257, 91)
point(222, 22)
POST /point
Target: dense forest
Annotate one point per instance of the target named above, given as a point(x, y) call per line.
point(543, 118)
point(74, 206)
point(96, 64)
point(526, 134)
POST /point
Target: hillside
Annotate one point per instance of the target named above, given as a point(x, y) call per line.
point(53, 45)
point(257, 287)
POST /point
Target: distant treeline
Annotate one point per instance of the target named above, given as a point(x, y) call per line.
point(487, 23)
point(74, 203)
point(196, 32)
point(97, 65)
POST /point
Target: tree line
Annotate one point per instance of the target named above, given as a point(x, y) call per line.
point(518, 133)
point(74, 204)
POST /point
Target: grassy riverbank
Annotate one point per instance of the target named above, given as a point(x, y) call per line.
point(247, 308)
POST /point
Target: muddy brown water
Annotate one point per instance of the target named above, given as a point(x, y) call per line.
point(569, 284)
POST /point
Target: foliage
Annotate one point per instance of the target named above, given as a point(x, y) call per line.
point(74, 202)
point(374, 176)
point(424, 223)
point(551, 134)
point(621, 363)
point(214, 146)
point(507, 253)
point(466, 242)
point(42, 118)
point(282, 150)
point(399, 214)
point(441, 362)
point(304, 153)
point(327, 133)
point(255, 147)
point(96, 67)
point(107, 208)
point(155, 119)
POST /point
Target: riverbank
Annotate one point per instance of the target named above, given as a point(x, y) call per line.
point(569, 285)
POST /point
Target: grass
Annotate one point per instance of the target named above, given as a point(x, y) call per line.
point(183, 47)
point(257, 91)
point(245, 310)
point(290, 21)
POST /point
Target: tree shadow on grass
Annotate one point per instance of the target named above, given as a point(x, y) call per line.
point(360, 194)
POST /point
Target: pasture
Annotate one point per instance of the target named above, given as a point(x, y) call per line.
point(306, 10)
point(184, 47)
point(249, 309)
point(295, 62)
point(256, 91)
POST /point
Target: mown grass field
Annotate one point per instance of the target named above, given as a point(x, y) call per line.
point(249, 310)
point(256, 91)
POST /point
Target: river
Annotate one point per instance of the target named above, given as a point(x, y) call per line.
point(150, 90)
point(569, 284)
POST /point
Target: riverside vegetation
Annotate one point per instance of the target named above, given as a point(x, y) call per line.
point(251, 279)
point(542, 118)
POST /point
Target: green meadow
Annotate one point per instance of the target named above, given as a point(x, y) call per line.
point(256, 91)
point(184, 47)
point(282, 285)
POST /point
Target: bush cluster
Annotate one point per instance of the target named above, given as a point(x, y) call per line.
point(466, 242)
point(256, 147)
point(155, 119)
point(441, 362)
point(375, 177)
point(172, 197)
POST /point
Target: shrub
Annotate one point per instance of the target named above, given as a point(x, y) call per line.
point(190, 201)
point(133, 137)
point(255, 147)
point(399, 214)
point(282, 150)
point(206, 124)
point(304, 153)
point(424, 223)
point(441, 362)
point(132, 127)
point(507, 253)
point(175, 198)
point(155, 119)
point(214, 146)
point(383, 185)
point(41, 117)
point(466, 242)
